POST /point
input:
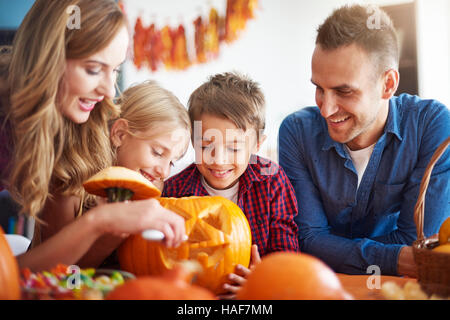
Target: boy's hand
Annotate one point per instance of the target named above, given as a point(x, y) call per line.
point(237, 279)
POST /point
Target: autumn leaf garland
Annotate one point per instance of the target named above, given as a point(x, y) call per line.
point(168, 46)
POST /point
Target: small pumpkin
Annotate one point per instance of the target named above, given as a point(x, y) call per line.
point(445, 248)
point(219, 238)
point(292, 276)
point(120, 184)
point(9, 271)
point(444, 232)
point(172, 285)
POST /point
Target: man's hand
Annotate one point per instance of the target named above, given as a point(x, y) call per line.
point(406, 266)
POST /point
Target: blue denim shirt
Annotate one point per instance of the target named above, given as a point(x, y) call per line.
point(353, 228)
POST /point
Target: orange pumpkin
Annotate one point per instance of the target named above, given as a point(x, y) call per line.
point(9, 271)
point(219, 239)
point(173, 285)
point(292, 276)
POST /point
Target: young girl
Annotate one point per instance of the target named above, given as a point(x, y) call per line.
point(151, 133)
point(55, 103)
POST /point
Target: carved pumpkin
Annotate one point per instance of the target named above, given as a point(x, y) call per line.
point(9, 271)
point(219, 238)
point(173, 285)
point(119, 184)
point(218, 232)
point(292, 276)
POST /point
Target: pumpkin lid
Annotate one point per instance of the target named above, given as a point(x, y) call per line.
point(121, 177)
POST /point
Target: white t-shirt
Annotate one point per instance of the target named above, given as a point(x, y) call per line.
point(230, 194)
point(360, 159)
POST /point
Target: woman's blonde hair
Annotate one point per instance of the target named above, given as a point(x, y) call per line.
point(51, 153)
point(147, 105)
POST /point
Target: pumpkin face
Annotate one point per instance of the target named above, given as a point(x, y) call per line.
point(219, 238)
point(9, 271)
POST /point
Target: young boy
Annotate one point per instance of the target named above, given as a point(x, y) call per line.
point(227, 114)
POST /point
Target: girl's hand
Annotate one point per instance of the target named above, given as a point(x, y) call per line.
point(238, 279)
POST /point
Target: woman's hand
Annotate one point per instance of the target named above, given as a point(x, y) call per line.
point(136, 216)
point(238, 279)
point(76, 238)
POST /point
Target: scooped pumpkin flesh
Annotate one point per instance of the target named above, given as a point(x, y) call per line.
point(120, 184)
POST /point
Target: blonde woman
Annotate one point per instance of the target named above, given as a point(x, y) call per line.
point(56, 102)
point(151, 133)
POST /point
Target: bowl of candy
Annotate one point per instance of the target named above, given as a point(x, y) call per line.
point(71, 283)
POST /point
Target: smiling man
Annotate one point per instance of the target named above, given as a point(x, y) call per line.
point(357, 159)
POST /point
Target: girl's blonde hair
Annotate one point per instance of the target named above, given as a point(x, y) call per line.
point(51, 153)
point(147, 105)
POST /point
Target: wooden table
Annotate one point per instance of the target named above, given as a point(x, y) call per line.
point(365, 287)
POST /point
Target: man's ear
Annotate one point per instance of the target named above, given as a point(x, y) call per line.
point(391, 80)
point(119, 131)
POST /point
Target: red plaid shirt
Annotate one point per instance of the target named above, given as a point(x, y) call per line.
point(265, 195)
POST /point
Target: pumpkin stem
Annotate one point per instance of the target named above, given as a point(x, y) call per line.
point(119, 194)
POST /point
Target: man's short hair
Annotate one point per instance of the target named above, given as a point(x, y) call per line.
point(231, 96)
point(369, 27)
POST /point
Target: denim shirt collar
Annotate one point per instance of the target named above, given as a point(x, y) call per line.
point(393, 120)
point(392, 126)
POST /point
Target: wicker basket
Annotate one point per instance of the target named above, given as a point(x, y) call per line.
point(433, 267)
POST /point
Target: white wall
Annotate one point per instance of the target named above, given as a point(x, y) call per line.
point(276, 48)
point(433, 39)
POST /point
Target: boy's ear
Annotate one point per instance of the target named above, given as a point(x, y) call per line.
point(261, 140)
point(119, 130)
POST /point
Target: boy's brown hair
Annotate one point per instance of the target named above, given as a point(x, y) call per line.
point(232, 96)
point(369, 27)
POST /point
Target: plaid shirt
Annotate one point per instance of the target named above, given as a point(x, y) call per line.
point(265, 195)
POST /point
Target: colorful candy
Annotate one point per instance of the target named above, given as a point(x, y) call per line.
point(68, 282)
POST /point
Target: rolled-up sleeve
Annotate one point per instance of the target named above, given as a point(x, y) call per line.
point(352, 256)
